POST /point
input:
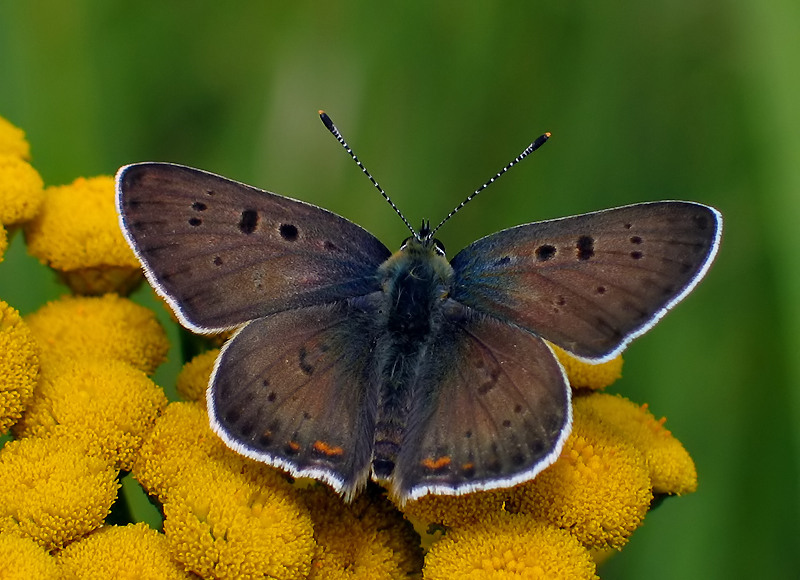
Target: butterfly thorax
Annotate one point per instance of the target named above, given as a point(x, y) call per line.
point(416, 282)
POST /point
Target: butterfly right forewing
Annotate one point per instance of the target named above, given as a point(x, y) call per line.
point(590, 283)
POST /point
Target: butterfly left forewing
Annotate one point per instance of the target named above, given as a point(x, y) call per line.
point(492, 409)
point(223, 253)
point(291, 390)
point(593, 282)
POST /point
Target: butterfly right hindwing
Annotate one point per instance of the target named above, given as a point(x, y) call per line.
point(492, 409)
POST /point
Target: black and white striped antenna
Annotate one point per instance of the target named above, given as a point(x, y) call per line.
point(425, 232)
point(528, 150)
point(335, 132)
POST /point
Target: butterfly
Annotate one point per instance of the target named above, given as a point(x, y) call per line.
point(351, 362)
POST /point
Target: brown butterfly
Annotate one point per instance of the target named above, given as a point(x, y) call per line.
point(430, 376)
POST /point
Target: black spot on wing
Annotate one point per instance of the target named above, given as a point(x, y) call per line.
point(545, 252)
point(585, 247)
point(288, 232)
point(248, 221)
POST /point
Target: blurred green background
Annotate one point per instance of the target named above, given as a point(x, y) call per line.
point(680, 99)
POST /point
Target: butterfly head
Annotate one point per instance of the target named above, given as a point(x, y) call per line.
point(420, 256)
point(423, 242)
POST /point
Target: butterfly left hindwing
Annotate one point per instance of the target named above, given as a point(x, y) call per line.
point(292, 390)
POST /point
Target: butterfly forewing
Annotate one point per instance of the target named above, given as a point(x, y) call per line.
point(223, 253)
point(291, 390)
point(593, 282)
point(495, 414)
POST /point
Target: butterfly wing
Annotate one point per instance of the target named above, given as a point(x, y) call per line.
point(590, 283)
point(223, 253)
point(291, 390)
point(493, 409)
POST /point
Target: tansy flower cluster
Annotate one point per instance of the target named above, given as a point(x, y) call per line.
point(81, 411)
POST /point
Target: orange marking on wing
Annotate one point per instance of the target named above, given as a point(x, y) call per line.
point(294, 445)
point(323, 447)
point(432, 463)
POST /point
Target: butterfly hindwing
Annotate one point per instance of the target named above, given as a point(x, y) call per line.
point(593, 282)
point(291, 390)
point(223, 253)
point(492, 409)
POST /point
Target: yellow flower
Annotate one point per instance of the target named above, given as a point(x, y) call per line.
point(53, 491)
point(226, 515)
point(3, 242)
point(108, 404)
point(223, 524)
point(23, 559)
point(12, 141)
point(133, 551)
point(508, 546)
point(106, 327)
point(19, 366)
point(599, 488)
point(366, 539)
point(583, 375)
point(77, 234)
point(180, 443)
point(457, 510)
point(671, 468)
point(21, 190)
point(193, 378)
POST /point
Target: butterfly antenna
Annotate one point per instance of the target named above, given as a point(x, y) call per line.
point(335, 132)
point(528, 150)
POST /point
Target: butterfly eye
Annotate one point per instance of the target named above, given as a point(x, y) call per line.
point(438, 247)
point(405, 242)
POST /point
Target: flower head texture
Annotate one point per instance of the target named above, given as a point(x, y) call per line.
point(671, 468)
point(365, 539)
point(77, 234)
point(180, 439)
point(509, 546)
point(583, 375)
point(21, 558)
point(457, 510)
point(134, 552)
point(21, 191)
point(19, 366)
point(53, 491)
point(599, 488)
point(226, 515)
point(180, 443)
point(223, 524)
point(193, 378)
point(105, 327)
point(12, 141)
point(108, 404)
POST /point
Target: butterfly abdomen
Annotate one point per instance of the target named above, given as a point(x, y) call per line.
point(415, 283)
